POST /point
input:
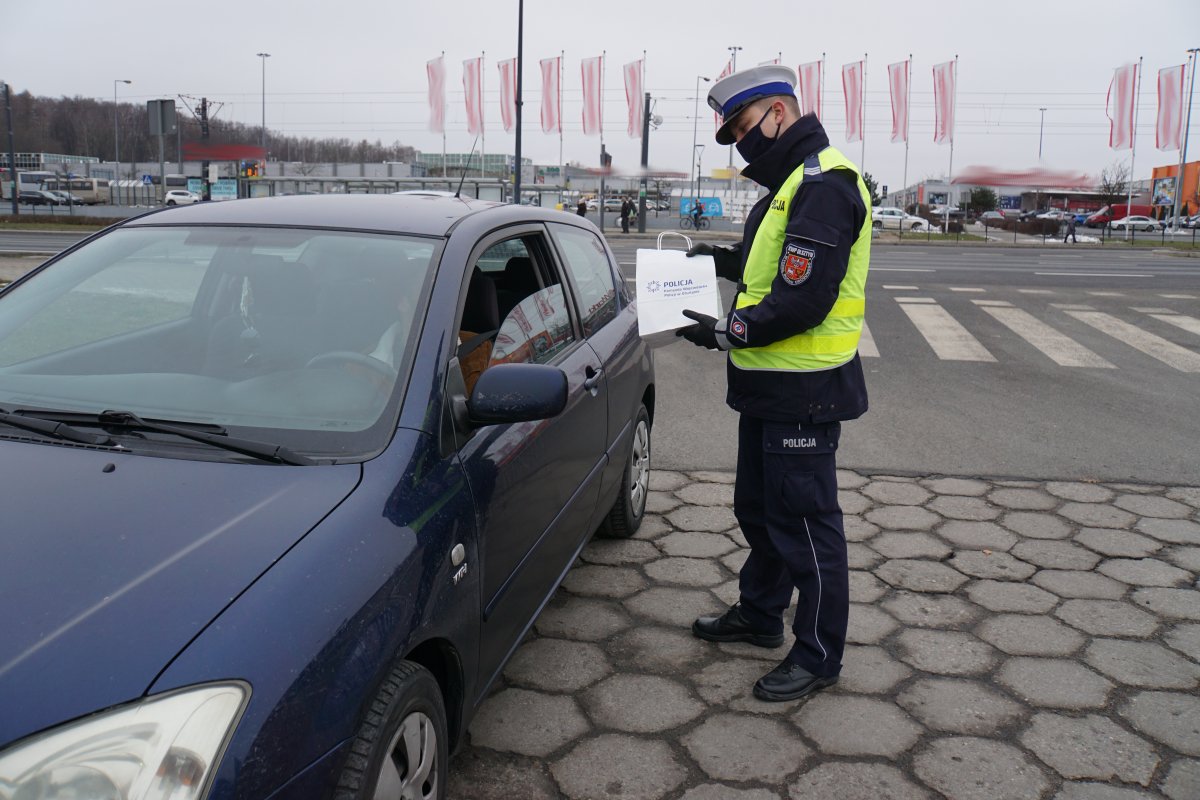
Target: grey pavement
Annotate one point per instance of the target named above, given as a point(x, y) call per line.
point(1008, 639)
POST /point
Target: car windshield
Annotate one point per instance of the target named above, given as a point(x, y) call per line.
point(302, 338)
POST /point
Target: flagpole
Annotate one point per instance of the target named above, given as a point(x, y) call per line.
point(562, 175)
point(444, 118)
point(1192, 55)
point(907, 117)
point(950, 176)
point(862, 118)
point(821, 94)
point(1133, 143)
point(482, 126)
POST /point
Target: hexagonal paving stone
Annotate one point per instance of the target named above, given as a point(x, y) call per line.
point(600, 581)
point(484, 775)
point(1090, 748)
point(858, 529)
point(931, 610)
point(719, 791)
point(865, 587)
point(969, 768)
point(848, 479)
point(1183, 780)
point(1026, 635)
point(920, 575)
point(855, 782)
point(662, 480)
point(869, 670)
point(945, 652)
point(617, 766)
point(1144, 572)
point(991, 565)
point(1150, 506)
point(667, 650)
point(967, 508)
point(852, 502)
point(958, 706)
point(727, 681)
point(713, 519)
point(860, 556)
point(1174, 531)
point(1075, 583)
point(1184, 557)
point(653, 527)
point(902, 518)
point(640, 703)
point(910, 545)
point(1055, 554)
point(1023, 499)
point(961, 486)
point(706, 494)
point(734, 561)
point(846, 725)
point(619, 552)
point(556, 665)
point(977, 536)
point(889, 493)
point(529, 723)
point(729, 592)
point(1186, 494)
point(670, 606)
point(1109, 542)
point(1186, 639)
point(1055, 683)
point(584, 620)
point(1006, 596)
point(1080, 492)
point(736, 536)
point(1143, 664)
point(1078, 790)
point(1169, 717)
point(868, 625)
point(691, 544)
point(712, 476)
point(1036, 525)
point(1174, 603)
point(737, 747)
point(685, 572)
point(662, 502)
point(1107, 618)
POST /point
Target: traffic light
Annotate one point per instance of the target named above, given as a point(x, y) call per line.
point(605, 157)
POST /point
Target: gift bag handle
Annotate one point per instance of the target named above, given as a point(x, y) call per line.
point(674, 233)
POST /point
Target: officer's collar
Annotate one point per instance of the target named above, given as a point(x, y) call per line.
point(805, 137)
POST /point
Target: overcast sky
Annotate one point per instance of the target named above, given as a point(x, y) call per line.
point(356, 68)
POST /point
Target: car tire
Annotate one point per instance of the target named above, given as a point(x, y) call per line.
point(626, 514)
point(170, 202)
point(877, 224)
point(408, 709)
point(916, 226)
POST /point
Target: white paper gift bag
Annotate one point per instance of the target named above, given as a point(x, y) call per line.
point(669, 282)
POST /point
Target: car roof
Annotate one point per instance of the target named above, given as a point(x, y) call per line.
point(420, 214)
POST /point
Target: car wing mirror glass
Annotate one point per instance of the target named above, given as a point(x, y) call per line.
point(508, 393)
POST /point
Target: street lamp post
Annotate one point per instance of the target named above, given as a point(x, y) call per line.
point(732, 177)
point(117, 135)
point(264, 57)
point(1041, 127)
point(698, 153)
point(695, 127)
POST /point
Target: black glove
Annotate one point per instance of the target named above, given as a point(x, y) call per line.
point(702, 249)
point(727, 260)
point(703, 333)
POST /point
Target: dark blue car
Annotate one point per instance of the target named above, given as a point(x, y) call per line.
point(285, 481)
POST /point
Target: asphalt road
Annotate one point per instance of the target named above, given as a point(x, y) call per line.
point(1107, 386)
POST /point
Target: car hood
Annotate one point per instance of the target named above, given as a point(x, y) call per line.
point(113, 563)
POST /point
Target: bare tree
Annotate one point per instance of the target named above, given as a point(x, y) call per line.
point(1114, 183)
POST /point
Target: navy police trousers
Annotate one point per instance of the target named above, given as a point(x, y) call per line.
point(786, 502)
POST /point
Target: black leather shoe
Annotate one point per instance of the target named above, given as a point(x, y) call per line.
point(790, 681)
point(732, 627)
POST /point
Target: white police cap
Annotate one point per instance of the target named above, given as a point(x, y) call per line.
point(731, 94)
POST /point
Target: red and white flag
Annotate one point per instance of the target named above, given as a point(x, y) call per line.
point(435, 69)
point(634, 80)
point(943, 103)
point(551, 94)
point(1120, 107)
point(808, 87)
point(508, 92)
point(898, 85)
point(769, 62)
point(725, 73)
point(473, 89)
point(593, 86)
point(852, 87)
point(1170, 108)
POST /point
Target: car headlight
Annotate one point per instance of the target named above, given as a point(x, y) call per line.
point(161, 748)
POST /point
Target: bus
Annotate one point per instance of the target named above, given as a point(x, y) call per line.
point(26, 181)
point(90, 191)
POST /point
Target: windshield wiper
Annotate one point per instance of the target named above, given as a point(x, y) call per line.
point(249, 447)
point(57, 430)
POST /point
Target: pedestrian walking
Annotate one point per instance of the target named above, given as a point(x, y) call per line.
point(794, 374)
point(1070, 230)
point(626, 210)
point(581, 209)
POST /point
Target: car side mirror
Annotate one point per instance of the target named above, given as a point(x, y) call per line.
point(507, 393)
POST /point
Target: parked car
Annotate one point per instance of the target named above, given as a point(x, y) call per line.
point(892, 217)
point(286, 482)
point(65, 198)
point(991, 218)
point(1136, 222)
point(1081, 217)
point(1053, 214)
point(612, 203)
point(39, 197)
point(180, 197)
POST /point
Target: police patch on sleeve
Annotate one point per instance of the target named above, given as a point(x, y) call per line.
point(737, 327)
point(796, 263)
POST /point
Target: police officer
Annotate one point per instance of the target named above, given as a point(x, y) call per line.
point(794, 374)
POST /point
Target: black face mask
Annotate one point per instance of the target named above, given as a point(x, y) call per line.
point(755, 143)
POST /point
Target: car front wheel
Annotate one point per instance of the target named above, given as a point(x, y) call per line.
point(625, 516)
point(402, 749)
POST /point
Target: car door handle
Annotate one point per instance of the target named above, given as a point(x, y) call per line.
point(593, 378)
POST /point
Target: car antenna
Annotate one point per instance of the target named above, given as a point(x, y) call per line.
point(463, 179)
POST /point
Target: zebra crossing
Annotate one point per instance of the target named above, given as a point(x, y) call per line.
point(1043, 325)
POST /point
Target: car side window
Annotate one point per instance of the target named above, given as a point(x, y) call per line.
point(587, 262)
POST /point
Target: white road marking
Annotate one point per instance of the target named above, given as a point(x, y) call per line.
point(966, 289)
point(1058, 347)
point(1106, 294)
point(1035, 291)
point(1071, 307)
point(915, 300)
point(1179, 296)
point(1169, 353)
point(901, 288)
point(866, 344)
point(1189, 324)
point(1099, 274)
point(949, 339)
point(1154, 310)
point(900, 269)
point(996, 303)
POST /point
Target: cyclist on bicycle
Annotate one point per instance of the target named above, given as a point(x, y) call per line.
point(697, 213)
